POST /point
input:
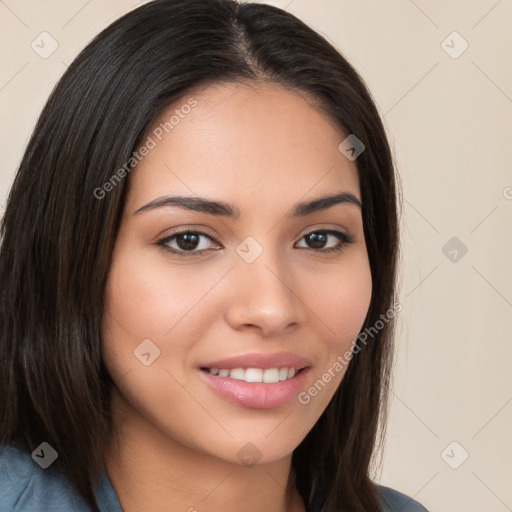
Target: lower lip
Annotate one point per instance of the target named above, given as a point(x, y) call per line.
point(257, 395)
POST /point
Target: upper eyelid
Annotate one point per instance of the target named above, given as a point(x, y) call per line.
point(184, 231)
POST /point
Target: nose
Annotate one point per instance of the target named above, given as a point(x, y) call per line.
point(264, 297)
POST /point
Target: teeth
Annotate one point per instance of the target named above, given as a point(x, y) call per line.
point(237, 373)
point(269, 375)
point(252, 374)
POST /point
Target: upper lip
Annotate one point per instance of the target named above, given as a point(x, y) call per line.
point(260, 360)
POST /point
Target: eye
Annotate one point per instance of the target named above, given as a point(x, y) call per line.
point(318, 239)
point(188, 243)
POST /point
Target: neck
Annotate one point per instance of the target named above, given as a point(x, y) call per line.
point(153, 472)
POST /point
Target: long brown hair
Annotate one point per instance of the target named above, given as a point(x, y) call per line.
point(57, 235)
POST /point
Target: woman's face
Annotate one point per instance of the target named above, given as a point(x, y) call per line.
point(257, 280)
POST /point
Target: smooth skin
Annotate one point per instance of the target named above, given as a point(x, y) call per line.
point(264, 149)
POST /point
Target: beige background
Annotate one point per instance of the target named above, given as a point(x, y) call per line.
point(450, 122)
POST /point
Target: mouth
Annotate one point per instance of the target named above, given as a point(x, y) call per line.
point(256, 388)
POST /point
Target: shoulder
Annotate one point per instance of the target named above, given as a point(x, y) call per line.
point(27, 487)
point(395, 501)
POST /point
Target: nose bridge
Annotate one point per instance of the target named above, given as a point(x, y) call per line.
point(263, 295)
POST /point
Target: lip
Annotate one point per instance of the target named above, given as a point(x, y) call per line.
point(256, 395)
point(260, 360)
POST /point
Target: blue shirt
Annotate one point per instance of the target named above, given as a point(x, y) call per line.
point(27, 487)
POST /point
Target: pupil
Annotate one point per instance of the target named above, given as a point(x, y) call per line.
point(190, 241)
point(318, 239)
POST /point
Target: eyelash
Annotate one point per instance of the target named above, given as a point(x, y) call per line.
point(344, 238)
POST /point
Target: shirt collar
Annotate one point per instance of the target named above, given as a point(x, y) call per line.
point(106, 496)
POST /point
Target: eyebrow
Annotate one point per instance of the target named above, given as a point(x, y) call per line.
point(220, 208)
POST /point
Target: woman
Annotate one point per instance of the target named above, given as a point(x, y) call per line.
point(200, 237)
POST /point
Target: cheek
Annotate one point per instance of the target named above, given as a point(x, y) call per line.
point(343, 298)
point(150, 299)
point(145, 300)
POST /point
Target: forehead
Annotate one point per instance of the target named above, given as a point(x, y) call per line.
point(254, 145)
